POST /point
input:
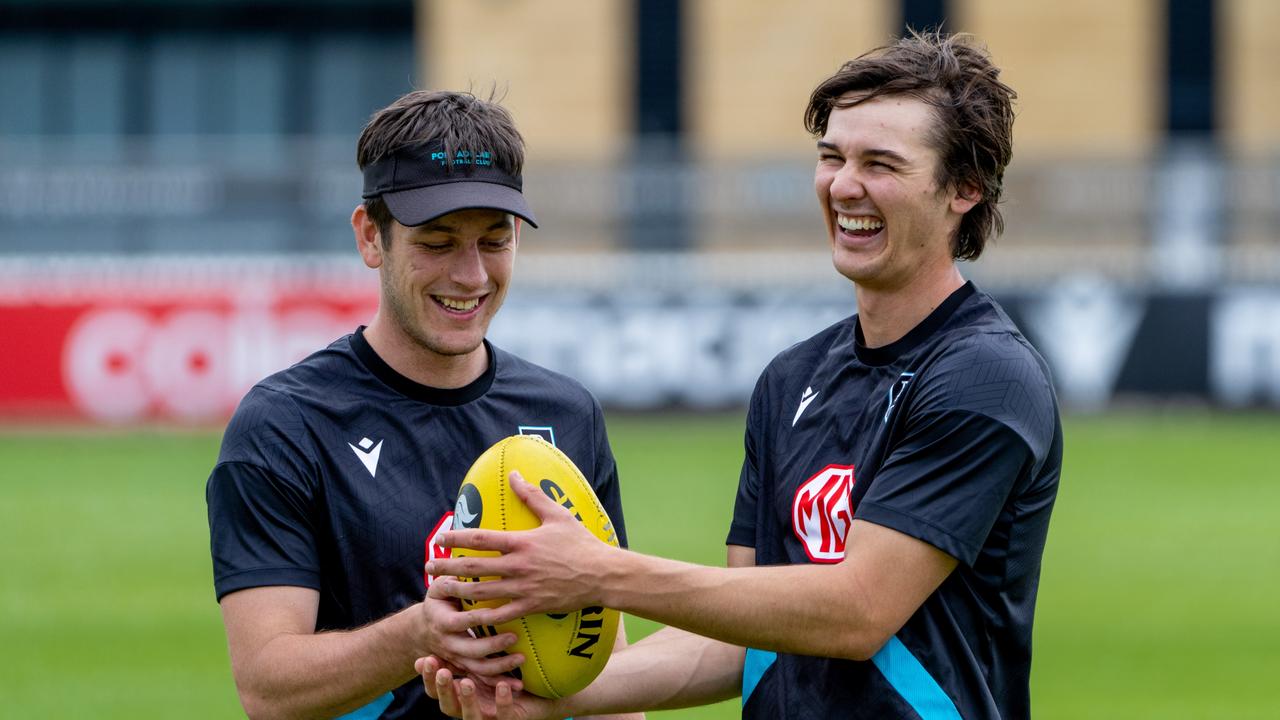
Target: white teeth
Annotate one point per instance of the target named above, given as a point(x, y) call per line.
point(863, 222)
point(459, 305)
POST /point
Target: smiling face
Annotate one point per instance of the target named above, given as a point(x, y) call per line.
point(888, 222)
point(443, 282)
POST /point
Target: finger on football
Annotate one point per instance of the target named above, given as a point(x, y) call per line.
point(455, 621)
point(464, 646)
point(470, 567)
point(473, 540)
point(541, 505)
point(463, 619)
point(505, 613)
point(486, 590)
point(437, 589)
point(497, 665)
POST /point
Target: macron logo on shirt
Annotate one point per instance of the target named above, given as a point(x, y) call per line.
point(368, 454)
point(805, 399)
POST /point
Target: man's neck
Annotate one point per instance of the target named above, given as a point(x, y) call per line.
point(421, 365)
point(887, 314)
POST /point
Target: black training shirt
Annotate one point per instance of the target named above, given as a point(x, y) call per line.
point(950, 435)
point(334, 473)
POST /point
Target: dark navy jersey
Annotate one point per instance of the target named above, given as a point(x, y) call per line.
point(336, 473)
point(950, 435)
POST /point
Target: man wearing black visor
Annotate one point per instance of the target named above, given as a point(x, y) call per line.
point(336, 474)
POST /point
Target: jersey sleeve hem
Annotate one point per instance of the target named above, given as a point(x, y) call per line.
point(919, 529)
point(744, 536)
point(264, 577)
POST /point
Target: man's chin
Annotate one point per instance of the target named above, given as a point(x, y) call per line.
point(455, 350)
point(858, 272)
point(451, 347)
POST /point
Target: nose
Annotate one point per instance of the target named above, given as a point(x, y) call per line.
point(468, 270)
point(847, 184)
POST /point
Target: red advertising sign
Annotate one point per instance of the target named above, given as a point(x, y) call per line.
point(129, 349)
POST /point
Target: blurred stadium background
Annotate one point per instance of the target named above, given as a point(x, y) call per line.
point(175, 182)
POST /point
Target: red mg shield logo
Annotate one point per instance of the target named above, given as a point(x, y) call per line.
point(822, 512)
point(434, 551)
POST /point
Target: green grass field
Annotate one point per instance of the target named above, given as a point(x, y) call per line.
point(1158, 597)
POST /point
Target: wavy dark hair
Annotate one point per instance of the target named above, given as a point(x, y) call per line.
point(460, 120)
point(973, 115)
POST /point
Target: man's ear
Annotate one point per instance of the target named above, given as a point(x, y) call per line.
point(368, 239)
point(967, 195)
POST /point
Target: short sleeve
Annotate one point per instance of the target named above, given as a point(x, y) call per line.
point(260, 499)
point(947, 482)
point(260, 530)
point(982, 417)
point(742, 530)
point(605, 477)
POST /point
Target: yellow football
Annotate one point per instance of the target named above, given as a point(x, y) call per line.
point(563, 652)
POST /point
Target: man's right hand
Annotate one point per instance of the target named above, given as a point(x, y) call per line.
point(445, 635)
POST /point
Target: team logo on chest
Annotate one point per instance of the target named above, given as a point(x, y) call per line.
point(823, 511)
point(546, 432)
point(434, 551)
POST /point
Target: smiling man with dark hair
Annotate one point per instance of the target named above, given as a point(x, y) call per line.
point(336, 474)
point(900, 467)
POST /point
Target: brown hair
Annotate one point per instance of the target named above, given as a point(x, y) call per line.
point(973, 111)
point(460, 120)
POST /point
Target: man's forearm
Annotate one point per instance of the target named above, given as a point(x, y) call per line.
point(330, 673)
point(669, 669)
point(847, 609)
point(806, 609)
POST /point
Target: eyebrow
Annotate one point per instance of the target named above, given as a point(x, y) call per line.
point(880, 152)
point(874, 152)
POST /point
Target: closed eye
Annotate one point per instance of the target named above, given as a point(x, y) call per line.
point(828, 152)
point(497, 243)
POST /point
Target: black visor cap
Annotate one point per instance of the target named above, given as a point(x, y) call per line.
point(422, 183)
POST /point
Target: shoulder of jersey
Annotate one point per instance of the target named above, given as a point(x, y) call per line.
point(523, 371)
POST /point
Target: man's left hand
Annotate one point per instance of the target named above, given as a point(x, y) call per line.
point(465, 698)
